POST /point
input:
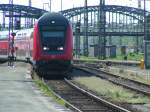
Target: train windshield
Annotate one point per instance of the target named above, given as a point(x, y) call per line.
point(53, 40)
point(57, 34)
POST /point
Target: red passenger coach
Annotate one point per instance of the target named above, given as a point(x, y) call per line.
point(52, 44)
point(3, 46)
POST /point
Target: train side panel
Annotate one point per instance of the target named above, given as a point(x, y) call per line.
point(3, 45)
point(22, 44)
point(3, 50)
point(69, 45)
point(36, 44)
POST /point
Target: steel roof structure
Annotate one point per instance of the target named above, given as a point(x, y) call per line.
point(32, 12)
point(129, 11)
point(22, 11)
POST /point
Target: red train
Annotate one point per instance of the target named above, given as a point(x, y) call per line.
point(48, 46)
point(3, 46)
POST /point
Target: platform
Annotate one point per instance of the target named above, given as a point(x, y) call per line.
point(18, 93)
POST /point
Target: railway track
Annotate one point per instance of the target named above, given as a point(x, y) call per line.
point(113, 62)
point(127, 83)
point(81, 100)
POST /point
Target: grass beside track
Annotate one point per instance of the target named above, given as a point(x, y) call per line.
point(129, 74)
point(111, 91)
point(130, 56)
point(48, 92)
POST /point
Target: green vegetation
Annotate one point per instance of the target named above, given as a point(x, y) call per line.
point(48, 92)
point(135, 56)
point(88, 58)
point(143, 78)
point(111, 91)
point(130, 56)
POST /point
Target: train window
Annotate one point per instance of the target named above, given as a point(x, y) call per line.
point(47, 34)
point(53, 38)
point(53, 41)
point(25, 34)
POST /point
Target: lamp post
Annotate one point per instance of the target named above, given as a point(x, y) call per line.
point(101, 24)
point(77, 39)
point(144, 20)
point(50, 5)
point(10, 38)
point(61, 5)
point(85, 43)
point(146, 38)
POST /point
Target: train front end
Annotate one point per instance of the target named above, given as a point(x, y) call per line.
point(52, 44)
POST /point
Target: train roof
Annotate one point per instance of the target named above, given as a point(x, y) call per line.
point(19, 33)
point(24, 33)
point(4, 34)
point(56, 19)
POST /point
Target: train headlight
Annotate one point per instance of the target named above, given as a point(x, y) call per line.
point(60, 48)
point(45, 48)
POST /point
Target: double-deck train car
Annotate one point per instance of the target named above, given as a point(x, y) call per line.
point(48, 45)
point(3, 46)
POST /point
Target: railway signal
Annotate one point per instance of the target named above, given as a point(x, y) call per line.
point(77, 40)
point(11, 50)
